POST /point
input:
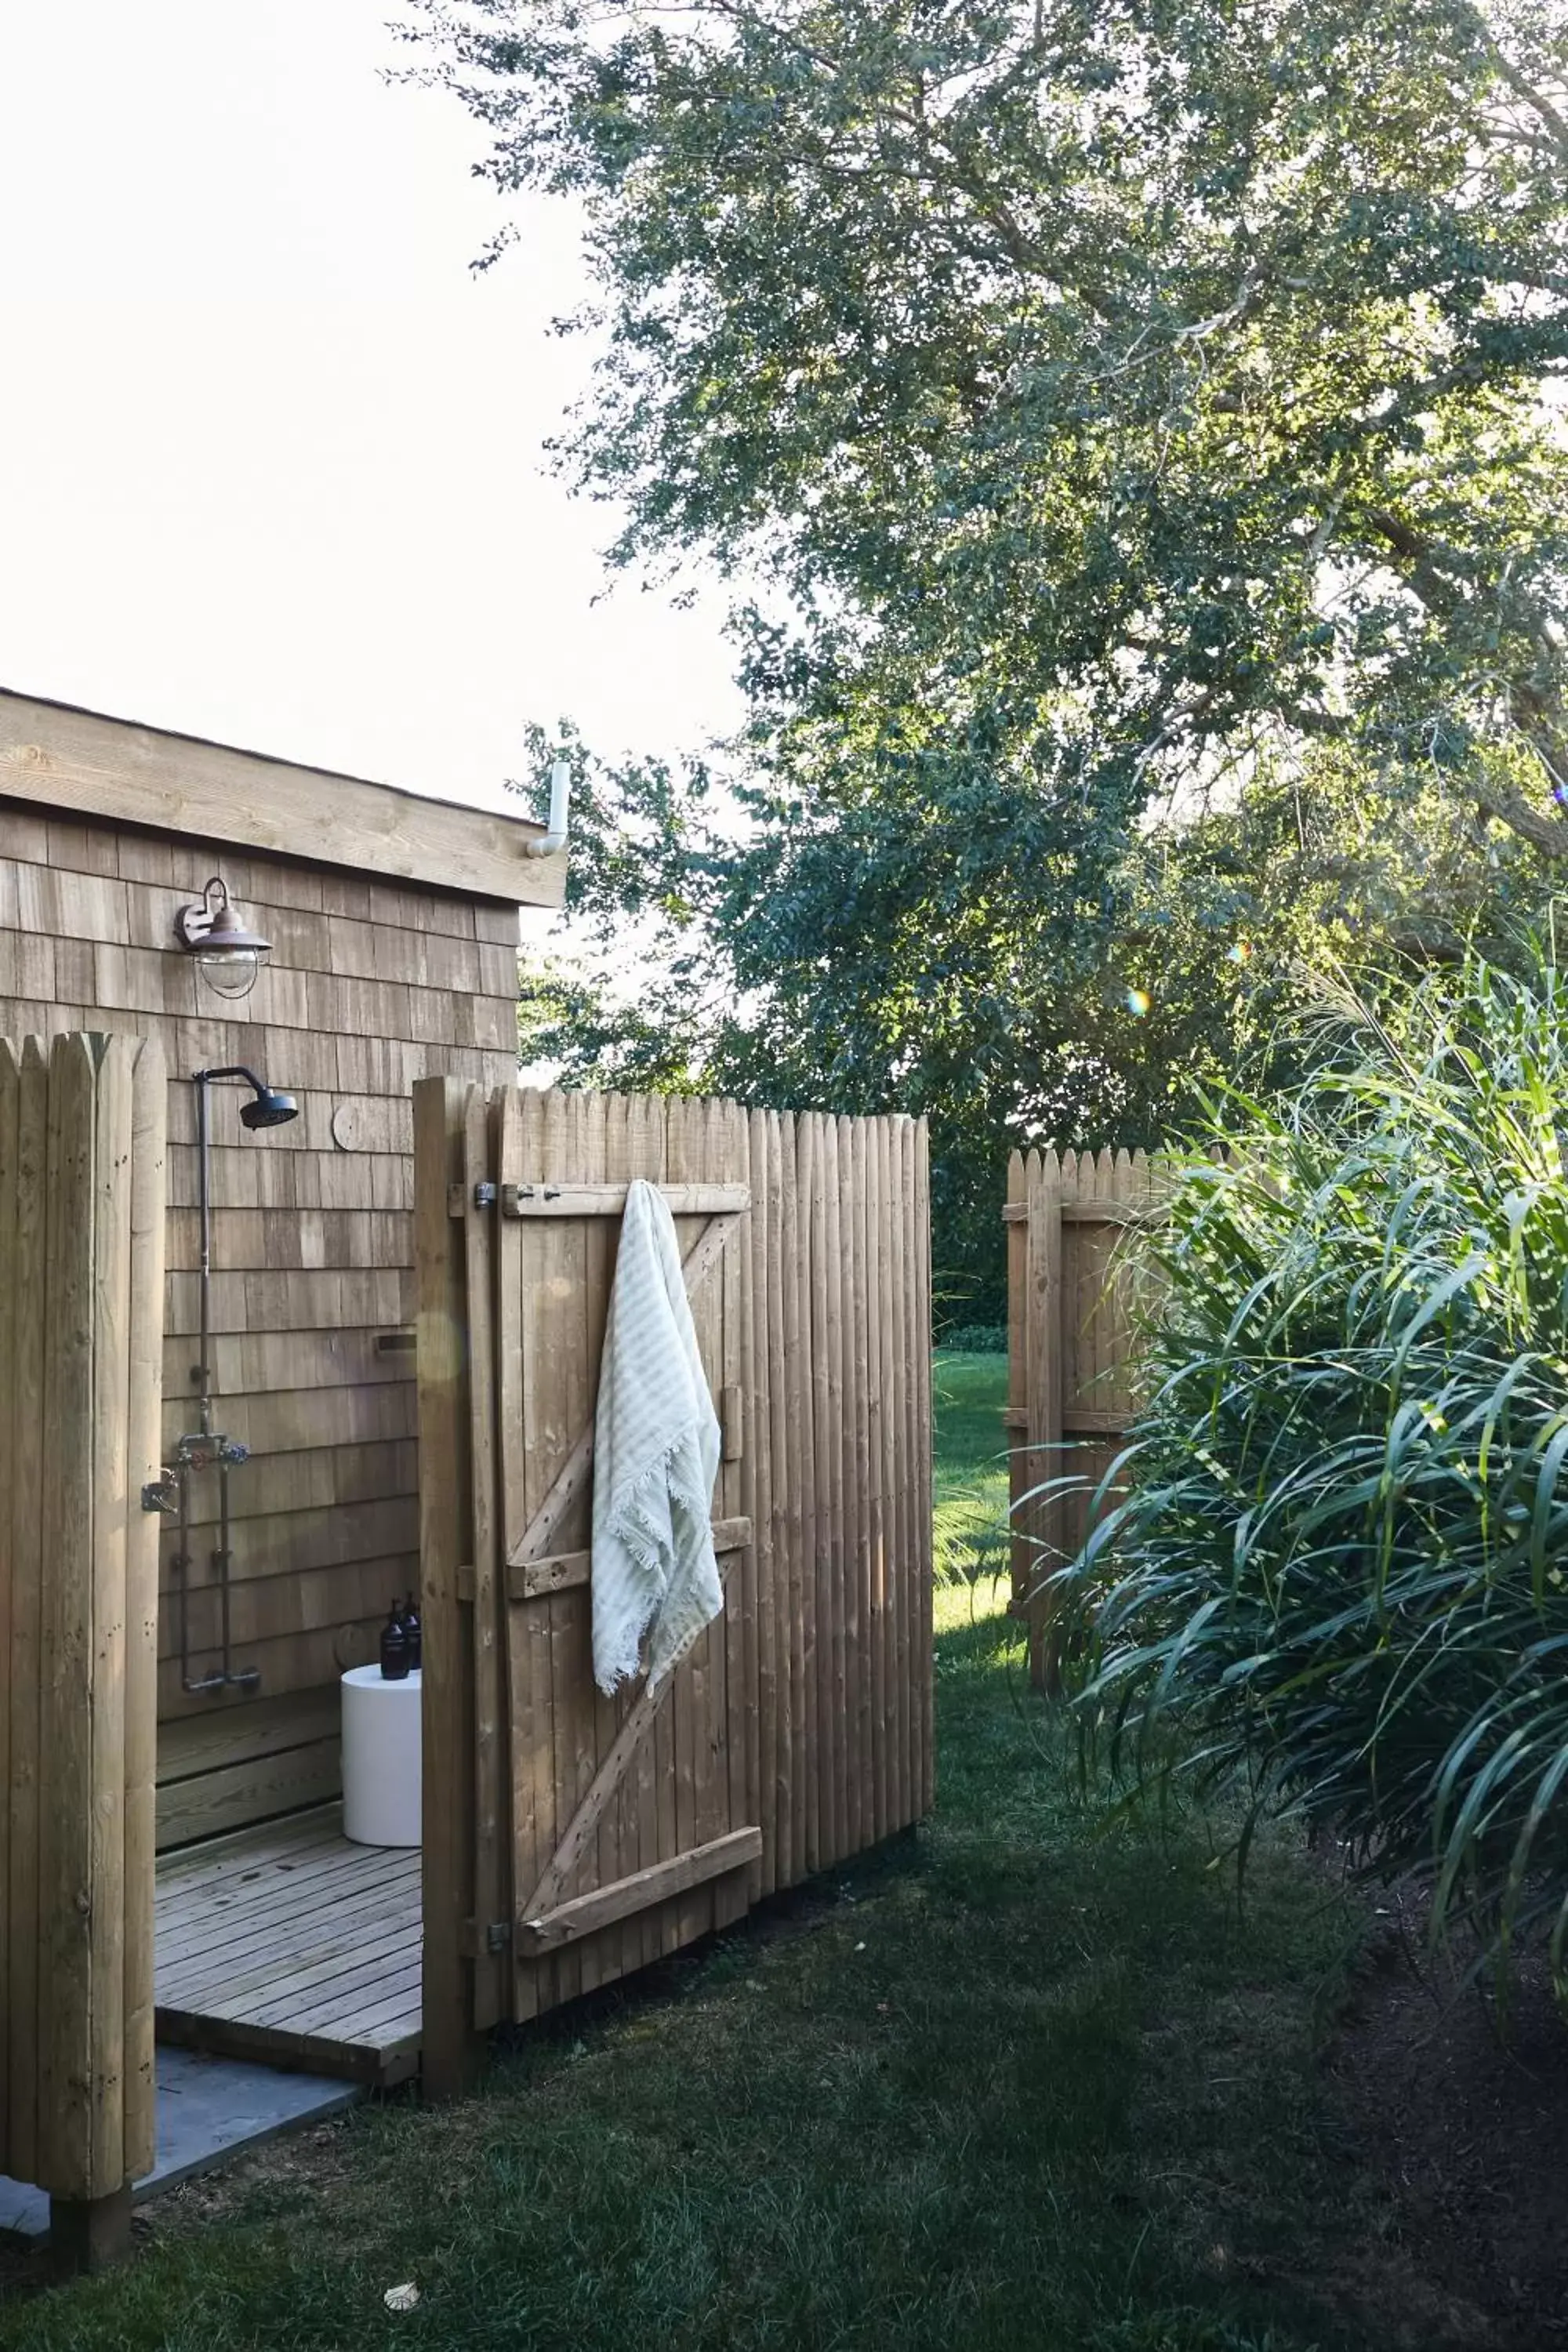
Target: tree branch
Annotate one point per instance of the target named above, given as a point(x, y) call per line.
point(1547, 834)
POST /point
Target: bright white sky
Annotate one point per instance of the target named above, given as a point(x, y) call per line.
point(272, 458)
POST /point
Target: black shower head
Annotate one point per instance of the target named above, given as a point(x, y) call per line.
point(271, 1108)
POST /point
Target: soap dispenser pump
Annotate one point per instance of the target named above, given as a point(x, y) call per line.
point(394, 1648)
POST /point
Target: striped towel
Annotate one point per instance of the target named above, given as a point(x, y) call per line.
point(655, 1457)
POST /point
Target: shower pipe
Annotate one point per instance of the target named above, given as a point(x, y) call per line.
point(203, 1448)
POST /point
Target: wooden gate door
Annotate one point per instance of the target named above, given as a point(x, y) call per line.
point(607, 1831)
point(570, 1838)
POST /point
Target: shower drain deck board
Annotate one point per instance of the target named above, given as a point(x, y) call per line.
point(287, 1942)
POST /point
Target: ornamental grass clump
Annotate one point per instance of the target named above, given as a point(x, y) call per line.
point(1339, 1572)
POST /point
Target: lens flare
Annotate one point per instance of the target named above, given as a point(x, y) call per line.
point(1241, 952)
point(1138, 1001)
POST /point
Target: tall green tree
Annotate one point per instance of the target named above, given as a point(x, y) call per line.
point(1103, 411)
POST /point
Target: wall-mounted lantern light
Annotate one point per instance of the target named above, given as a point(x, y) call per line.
point(227, 955)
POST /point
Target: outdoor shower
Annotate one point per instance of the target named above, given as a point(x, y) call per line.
point(203, 1448)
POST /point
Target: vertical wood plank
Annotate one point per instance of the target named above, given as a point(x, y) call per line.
point(839, 1293)
point(617, 1169)
point(558, 1379)
point(886, 1151)
point(10, 1092)
point(923, 1424)
point(735, 1500)
point(713, 1778)
point(690, 1700)
point(905, 1339)
point(656, 1839)
point(25, 1504)
point(522, 1698)
point(602, 1956)
point(796, 1166)
point(144, 1373)
point(809, 1148)
point(864, 1309)
point(1018, 1344)
point(1045, 1293)
point(876, 1281)
point(782, 1471)
point(450, 2044)
point(67, 1688)
point(757, 1501)
point(825, 1431)
point(887, 1321)
point(485, 1618)
point(851, 1310)
point(108, 1440)
point(536, 1981)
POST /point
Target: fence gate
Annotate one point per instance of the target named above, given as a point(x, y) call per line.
point(570, 1838)
point(1069, 1354)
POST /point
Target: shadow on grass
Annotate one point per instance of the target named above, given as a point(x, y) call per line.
point(1022, 2078)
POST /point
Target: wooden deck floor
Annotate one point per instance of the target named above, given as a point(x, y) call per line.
point(288, 1943)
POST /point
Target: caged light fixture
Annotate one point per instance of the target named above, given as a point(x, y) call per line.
point(227, 954)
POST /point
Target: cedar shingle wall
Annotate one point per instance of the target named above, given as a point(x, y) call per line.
point(369, 987)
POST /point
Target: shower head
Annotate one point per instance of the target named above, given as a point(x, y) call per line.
point(270, 1108)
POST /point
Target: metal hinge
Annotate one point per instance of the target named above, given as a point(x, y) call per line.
point(484, 1197)
point(478, 1943)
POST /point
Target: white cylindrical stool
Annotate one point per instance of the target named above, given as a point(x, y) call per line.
point(381, 1759)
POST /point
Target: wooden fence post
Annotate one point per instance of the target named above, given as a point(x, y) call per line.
point(82, 1222)
point(451, 2045)
point(1034, 1374)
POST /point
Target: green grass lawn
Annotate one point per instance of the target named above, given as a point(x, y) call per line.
point(970, 1483)
point(1028, 2077)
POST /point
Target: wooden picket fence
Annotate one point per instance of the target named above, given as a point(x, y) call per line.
point(1071, 1367)
point(81, 1318)
point(570, 1837)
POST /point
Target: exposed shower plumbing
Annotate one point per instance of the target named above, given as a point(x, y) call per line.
point(205, 1448)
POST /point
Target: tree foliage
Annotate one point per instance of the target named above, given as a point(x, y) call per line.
point(1117, 380)
point(1102, 412)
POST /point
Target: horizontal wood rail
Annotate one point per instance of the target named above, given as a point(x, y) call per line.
point(535, 1579)
point(699, 1258)
point(1084, 1213)
point(1082, 1422)
point(570, 1921)
point(542, 1200)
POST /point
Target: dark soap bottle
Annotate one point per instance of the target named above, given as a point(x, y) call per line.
point(411, 1629)
point(393, 1648)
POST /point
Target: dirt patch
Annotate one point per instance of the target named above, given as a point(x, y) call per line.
point(1459, 2119)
